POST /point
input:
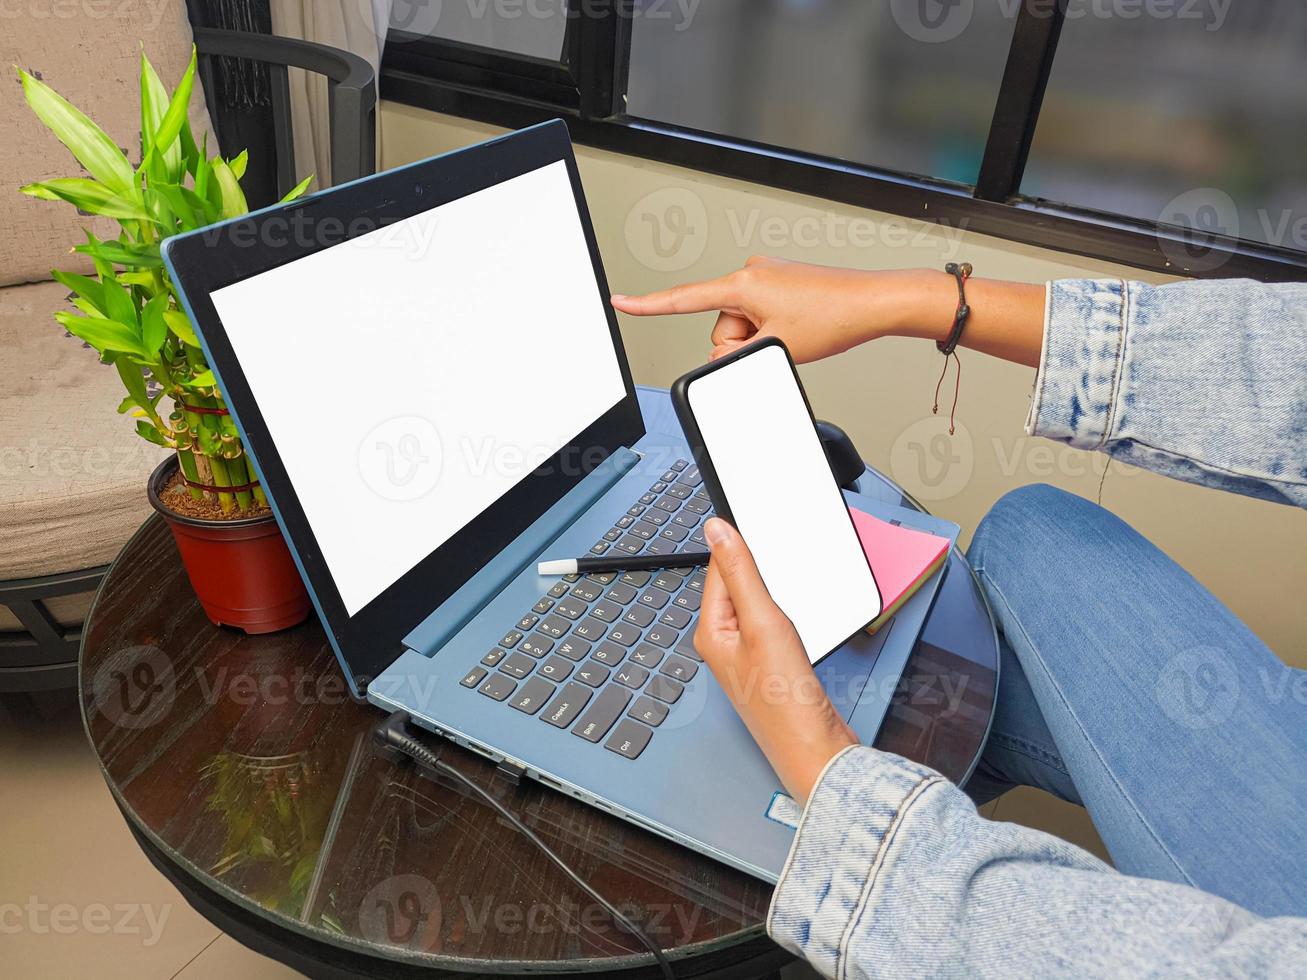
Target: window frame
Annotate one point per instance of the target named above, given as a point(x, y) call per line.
point(586, 87)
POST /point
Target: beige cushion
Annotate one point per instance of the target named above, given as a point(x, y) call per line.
point(72, 471)
point(90, 54)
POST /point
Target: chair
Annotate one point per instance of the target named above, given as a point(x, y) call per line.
point(72, 473)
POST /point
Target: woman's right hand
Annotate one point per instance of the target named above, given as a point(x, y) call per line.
point(816, 310)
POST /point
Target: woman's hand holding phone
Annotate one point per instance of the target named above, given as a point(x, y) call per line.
point(757, 657)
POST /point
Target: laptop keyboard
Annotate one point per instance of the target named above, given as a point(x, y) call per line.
point(608, 656)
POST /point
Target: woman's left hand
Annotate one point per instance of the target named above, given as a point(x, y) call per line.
point(757, 657)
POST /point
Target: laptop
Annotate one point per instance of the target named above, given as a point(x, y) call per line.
point(430, 379)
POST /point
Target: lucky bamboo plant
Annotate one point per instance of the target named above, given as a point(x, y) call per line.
point(128, 311)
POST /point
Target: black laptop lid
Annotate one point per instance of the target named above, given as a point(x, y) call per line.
point(421, 363)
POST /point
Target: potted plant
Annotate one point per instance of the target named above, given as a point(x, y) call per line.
point(208, 490)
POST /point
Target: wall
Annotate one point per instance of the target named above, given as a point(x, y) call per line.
point(1249, 553)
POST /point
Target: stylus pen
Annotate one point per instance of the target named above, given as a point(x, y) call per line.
point(636, 563)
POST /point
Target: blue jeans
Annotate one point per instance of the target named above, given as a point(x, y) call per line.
point(1127, 687)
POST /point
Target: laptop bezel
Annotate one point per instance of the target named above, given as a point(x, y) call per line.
point(208, 260)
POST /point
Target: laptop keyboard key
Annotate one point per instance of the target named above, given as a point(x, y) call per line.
point(648, 498)
point(474, 677)
point(661, 636)
point(624, 633)
point(635, 579)
point(647, 656)
point(621, 594)
point(558, 591)
point(498, 686)
point(696, 506)
point(680, 465)
point(606, 610)
point(590, 629)
point(671, 475)
point(599, 547)
point(669, 504)
point(511, 639)
point(601, 578)
point(632, 675)
point(658, 487)
point(527, 622)
point(571, 607)
point(518, 665)
point(674, 617)
point(696, 582)
point(688, 600)
point(557, 668)
point(586, 591)
point(668, 581)
point(555, 626)
point(629, 739)
point(698, 538)
point(543, 606)
point(654, 597)
point(610, 654)
point(625, 521)
point(630, 544)
point(680, 491)
point(612, 534)
point(686, 645)
point(532, 696)
point(573, 649)
point(592, 674)
point(640, 616)
point(566, 705)
point(537, 645)
point(664, 689)
point(605, 711)
point(649, 711)
point(659, 546)
point(687, 520)
point(493, 657)
point(680, 669)
point(690, 477)
point(657, 517)
point(645, 530)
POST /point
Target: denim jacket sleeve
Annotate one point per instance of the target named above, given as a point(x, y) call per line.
point(894, 873)
point(1201, 381)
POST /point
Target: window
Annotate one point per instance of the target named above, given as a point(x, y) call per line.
point(838, 78)
point(1195, 121)
point(1166, 134)
point(534, 28)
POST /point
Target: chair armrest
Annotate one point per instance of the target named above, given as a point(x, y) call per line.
point(351, 86)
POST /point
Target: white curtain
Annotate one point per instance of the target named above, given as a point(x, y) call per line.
point(354, 25)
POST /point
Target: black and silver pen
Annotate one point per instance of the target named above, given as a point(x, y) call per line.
point(635, 563)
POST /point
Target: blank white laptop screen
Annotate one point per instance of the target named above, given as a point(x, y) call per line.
point(412, 376)
point(752, 419)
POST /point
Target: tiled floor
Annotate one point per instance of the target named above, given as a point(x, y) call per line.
point(78, 899)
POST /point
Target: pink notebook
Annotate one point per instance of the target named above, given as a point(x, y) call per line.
point(902, 559)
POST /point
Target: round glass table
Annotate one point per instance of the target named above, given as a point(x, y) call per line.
point(248, 776)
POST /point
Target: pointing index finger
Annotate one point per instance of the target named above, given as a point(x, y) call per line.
point(694, 297)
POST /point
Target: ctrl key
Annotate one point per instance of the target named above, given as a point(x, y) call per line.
point(629, 739)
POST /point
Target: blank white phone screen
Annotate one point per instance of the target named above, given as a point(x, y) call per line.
point(412, 376)
point(778, 485)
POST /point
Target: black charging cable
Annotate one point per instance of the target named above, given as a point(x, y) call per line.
point(393, 734)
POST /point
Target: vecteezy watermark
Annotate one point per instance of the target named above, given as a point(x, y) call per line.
point(410, 238)
point(403, 911)
point(135, 687)
point(40, 918)
point(929, 462)
point(941, 21)
point(668, 231)
point(426, 18)
point(1207, 213)
point(144, 15)
point(400, 459)
point(41, 457)
point(1198, 688)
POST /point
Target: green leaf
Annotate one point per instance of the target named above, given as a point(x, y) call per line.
point(298, 190)
point(175, 116)
point(143, 279)
point(154, 329)
point(202, 380)
point(118, 253)
point(84, 286)
point(179, 323)
point(233, 198)
point(154, 104)
point(126, 405)
point(149, 433)
point(239, 164)
point(93, 149)
point(134, 382)
point(89, 196)
point(103, 335)
point(118, 303)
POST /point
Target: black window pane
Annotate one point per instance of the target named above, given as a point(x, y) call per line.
point(907, 85)
point(1196, 119)
point(529, 27)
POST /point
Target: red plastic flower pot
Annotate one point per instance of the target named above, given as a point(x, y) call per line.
point(241, 569)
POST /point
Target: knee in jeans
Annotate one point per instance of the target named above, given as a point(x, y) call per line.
point(1027, 524)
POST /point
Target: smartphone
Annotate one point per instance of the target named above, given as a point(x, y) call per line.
point(755, 442)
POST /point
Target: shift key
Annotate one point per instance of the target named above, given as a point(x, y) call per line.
point(608, 707)
point(566, 705)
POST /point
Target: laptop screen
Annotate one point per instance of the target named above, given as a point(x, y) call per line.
point(412, 376)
